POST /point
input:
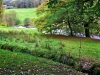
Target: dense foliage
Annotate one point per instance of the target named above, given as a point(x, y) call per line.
point(69, 16)
point(10, 18)
point(1, 9)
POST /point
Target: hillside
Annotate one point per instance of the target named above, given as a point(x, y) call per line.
point(12, 63)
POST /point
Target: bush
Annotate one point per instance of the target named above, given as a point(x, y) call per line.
point(11, 18)
point(26, 22)
point(95, 68)
point(17, 21)
point(31, 21)
point(3, 24)
point(96, 71)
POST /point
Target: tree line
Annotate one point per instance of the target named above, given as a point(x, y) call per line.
point(72, 16)
point(23, 3)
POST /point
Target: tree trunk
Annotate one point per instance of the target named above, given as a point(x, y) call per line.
point(87, 33)
point(71, 30)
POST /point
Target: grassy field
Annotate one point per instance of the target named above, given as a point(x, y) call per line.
point(24, 13)
point(53, 47)
point(26, 30)
point(89, 47)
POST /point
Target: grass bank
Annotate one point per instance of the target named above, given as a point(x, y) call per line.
point(13, 63)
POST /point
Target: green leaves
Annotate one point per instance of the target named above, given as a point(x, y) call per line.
point(64, 14)
point(52, 3)
point(1, 10)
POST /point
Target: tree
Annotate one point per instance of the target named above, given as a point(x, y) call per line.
point(83, 8)
point(1, 9)
point(56, 14)
point(88, 9)
point(74, 13)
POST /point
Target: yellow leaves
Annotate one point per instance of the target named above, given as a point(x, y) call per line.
point(42, 25)
point(1, 7)
point(40, 22)
point(31, 21)
point(3, 24)
point(41, 8)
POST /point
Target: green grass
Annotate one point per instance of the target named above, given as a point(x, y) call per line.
point(24, 64)
point(58, 48)
point(89, 48)
point(26, 30)
point(18, 62)
point(24, 13)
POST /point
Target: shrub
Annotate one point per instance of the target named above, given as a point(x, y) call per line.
point(96, 71)
point(26, 22)
point(3, 24)
point(31, 21)
point(11, 18)
point(95, 68)
point(17, 21)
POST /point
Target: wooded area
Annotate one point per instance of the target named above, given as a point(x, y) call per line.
point(73, 16)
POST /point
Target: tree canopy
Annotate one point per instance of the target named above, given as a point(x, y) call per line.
point(1, 9)
point(71, 16)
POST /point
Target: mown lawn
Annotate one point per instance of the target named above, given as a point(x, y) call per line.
point(24, 13)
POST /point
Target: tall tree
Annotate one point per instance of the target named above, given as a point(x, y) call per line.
point(72, 12)
point(1, 9)
point(55, 14)
point(89, 9)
